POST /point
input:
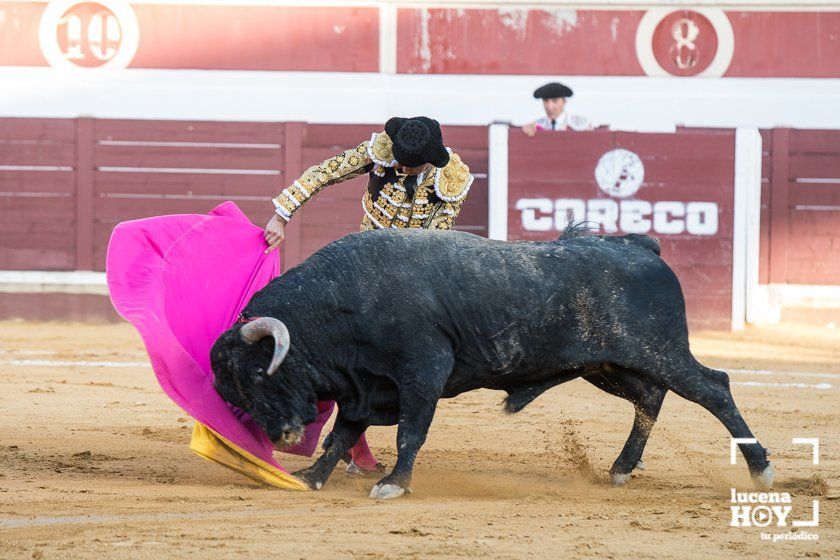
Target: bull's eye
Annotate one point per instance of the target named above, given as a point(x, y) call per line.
point(260, 371)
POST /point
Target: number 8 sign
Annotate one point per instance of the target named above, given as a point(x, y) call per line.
point(685, 42)
point(80, 33)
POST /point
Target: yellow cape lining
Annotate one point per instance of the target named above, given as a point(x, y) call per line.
point(213, 447)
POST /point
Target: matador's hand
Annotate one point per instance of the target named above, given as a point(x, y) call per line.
point(274, 233)
point(530, 129)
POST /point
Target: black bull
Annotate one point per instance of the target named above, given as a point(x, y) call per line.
point(388, 322)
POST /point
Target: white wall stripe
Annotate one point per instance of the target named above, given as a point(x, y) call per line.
point(817, 208)
point(818, 386)
point(497, 222)
point(234, 145)
point(245, 198)
point(783, 373)
point(659, 104)
point(77, 277)
point(387, 38)
point(37, 194)
point(750, 169)
point(35, 168)
point(73, 363)
point(746, 215)
point(110, 169)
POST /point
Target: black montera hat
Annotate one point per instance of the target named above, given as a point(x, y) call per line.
point(417, 141)
point(553, 91)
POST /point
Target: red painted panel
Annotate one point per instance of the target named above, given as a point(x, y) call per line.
point(37, 233)
point(39, 183)
point(764, 230)
point(680, 170)
point(815, 141)
point(41, 153)
point(188, 131)
point(19, 34)
point(791, 44)
point(189, 157)
point(343, 39)
point(596, 42)
point(815, 237)
point(181, 185)
point(438, 40)
point(42, 130)
point(818, 194)
point(37, 206)
point(517, 41)
point(824, 166)
point(801, 207)
point(259, 38)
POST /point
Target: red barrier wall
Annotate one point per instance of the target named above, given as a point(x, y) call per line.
point(800, 220)
point(38, 194)
point(684, 197)
point(65, 183)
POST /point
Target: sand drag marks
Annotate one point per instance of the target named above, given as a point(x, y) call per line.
point(94, 463)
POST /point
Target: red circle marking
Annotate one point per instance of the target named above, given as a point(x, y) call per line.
point(685, 43)
point(89, 34)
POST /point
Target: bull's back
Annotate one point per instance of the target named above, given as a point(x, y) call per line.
point(505, 306)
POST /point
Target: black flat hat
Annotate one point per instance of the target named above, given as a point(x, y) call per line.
point(553, 91)
point(417, 141)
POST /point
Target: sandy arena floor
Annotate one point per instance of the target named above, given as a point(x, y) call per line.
point(94, 464)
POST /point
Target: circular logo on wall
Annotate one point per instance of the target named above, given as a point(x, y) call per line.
point(695, 42)
point(620, 173)
point(99, 34)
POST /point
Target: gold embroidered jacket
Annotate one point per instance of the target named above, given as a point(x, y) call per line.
point(432, 200)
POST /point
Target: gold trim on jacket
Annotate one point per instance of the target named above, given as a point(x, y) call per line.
point(450, 184)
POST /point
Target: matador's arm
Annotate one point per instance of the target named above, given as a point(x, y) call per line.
point(342, 167)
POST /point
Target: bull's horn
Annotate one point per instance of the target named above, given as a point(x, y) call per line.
point(258, 329)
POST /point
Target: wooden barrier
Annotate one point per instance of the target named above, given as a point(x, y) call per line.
point(800, 222)
point(65, 183)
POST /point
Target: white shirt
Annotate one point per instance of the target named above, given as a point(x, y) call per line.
point(565, 121)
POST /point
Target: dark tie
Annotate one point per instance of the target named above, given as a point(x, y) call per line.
point(553, 122)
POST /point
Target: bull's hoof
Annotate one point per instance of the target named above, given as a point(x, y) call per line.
point(620, 479)
point(388, 491)
point(311, 482)
point(764, 480)
point(640, 465)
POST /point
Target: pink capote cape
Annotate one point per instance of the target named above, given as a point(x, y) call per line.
point(182, 280)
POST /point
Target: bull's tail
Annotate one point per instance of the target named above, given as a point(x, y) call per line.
point(574, 229)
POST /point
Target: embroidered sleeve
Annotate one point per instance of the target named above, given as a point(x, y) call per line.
point(444, 216)
point(342, 167)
